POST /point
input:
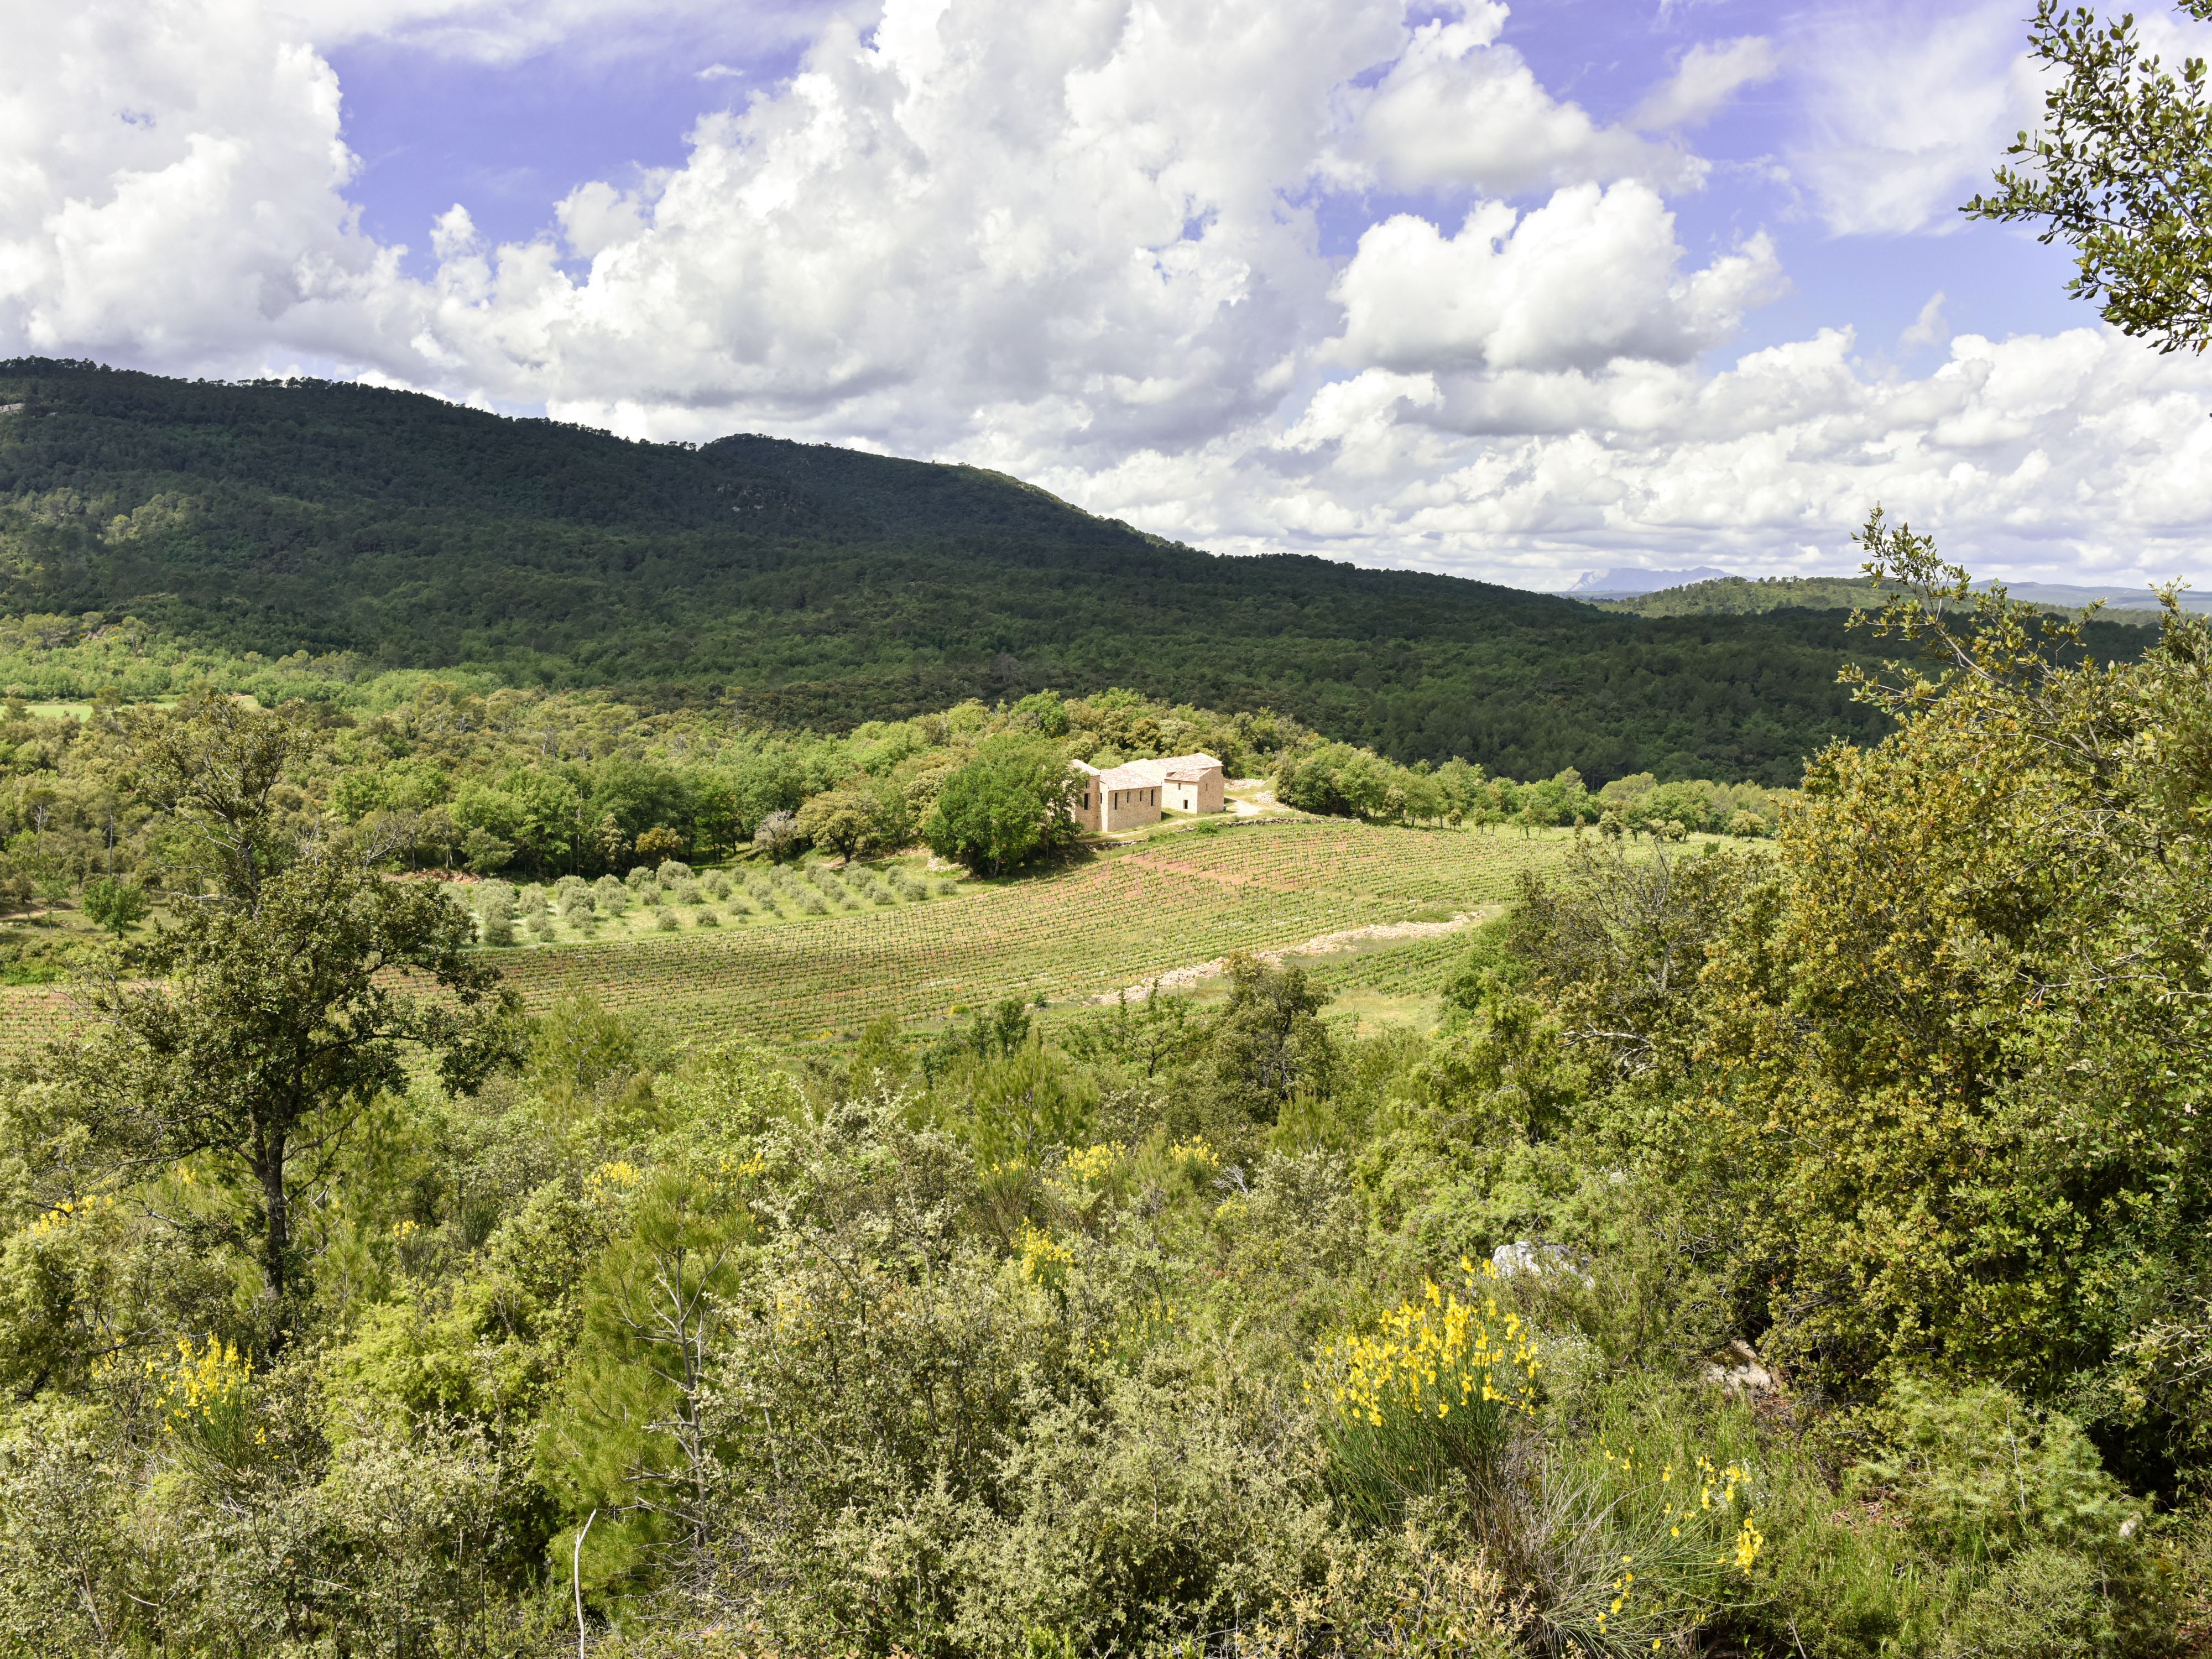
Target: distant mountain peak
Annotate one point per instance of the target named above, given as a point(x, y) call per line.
point(1644, 581)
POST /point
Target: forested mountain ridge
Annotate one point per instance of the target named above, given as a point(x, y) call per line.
point(823, 586)
point(1736, 596)
point(1744, 596)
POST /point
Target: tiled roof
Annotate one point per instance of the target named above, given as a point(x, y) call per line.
point(1145, 773)
point(1134, 775)
point(1159, 771)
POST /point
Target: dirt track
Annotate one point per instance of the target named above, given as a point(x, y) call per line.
point(1321, 944)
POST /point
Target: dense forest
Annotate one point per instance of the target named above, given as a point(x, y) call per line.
point(1747, 595)
point(365, 529)
point(1787, 1245)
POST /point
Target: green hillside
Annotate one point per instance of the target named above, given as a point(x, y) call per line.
point(1744, 596)
point(819, 586)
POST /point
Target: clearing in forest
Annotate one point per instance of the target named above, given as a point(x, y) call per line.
point(1112, 920)
point(1116, 918)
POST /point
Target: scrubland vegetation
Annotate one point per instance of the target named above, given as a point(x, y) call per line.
point(1788, 1242)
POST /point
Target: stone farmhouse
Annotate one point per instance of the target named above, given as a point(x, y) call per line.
point(1137, 792)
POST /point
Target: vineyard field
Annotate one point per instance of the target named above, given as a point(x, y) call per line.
point(1068, 934)
point(1420, 968)
point(32, 1013)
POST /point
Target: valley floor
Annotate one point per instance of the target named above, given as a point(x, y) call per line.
point(1175, 902)
point(1117, 918)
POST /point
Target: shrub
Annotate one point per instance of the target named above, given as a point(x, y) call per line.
point(1978, 1475)
point(1634, 1544)
point(1428, 1402)
point(2044, 1603)
point(203, 1398)
point(1949, 1076)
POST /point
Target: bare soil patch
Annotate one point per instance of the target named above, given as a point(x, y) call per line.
point(1320, 944)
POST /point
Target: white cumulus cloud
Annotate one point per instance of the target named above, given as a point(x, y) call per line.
point(2075, 453)
point(1456, 107)
point(1589, 276)
point(1076, 223)
point(172, 187)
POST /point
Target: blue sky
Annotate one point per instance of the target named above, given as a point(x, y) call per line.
point(510, 136)
point(1514, 292)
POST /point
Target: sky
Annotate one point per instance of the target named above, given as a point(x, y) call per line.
point(1513, 292)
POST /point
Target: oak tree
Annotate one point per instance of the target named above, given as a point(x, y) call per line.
point(286, 991)
point(2121, 171)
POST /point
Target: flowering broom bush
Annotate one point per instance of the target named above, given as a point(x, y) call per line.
point(1428, 1401)
point(204, 1398)
point(1637, 1550)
